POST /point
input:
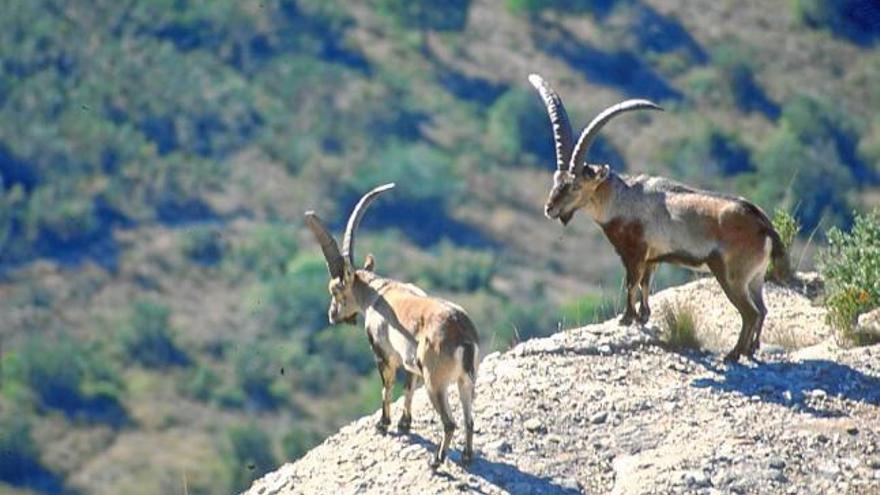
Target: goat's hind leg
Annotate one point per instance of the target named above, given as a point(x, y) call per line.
point(437, 394)
point(738, 293)
point(756, 291)
point(466, 394)
point(405, 422)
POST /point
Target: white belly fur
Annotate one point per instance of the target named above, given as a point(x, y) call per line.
point(399, 347)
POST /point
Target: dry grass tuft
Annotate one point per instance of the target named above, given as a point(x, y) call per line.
point(679, 326)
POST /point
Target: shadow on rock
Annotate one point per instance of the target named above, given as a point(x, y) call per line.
point(800, 386)
point(501, 474)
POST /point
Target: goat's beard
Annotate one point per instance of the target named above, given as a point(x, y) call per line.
point(566, 217)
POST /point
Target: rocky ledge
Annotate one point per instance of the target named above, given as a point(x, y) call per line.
point(606, 408)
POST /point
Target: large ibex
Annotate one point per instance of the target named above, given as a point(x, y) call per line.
point(434, 340)
point(650, 220)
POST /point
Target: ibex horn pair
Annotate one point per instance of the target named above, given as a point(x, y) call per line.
point(570, 157)
point(336, 261)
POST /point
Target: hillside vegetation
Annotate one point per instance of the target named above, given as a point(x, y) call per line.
point(162, 307)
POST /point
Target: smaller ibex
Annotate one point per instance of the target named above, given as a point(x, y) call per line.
point(431, 338)
point(650, 220)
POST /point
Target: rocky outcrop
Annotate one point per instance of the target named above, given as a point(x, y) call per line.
point(606, 408)
point(869, 322)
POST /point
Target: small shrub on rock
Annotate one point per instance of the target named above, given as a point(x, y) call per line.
point(850, 267)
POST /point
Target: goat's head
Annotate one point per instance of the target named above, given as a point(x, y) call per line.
point(574, 182)
point(343, 304)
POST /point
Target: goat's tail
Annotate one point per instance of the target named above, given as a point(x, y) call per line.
point(469, 359)
point(781, 272)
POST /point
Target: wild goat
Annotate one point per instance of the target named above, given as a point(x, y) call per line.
point(651, 220)
point(432, 339)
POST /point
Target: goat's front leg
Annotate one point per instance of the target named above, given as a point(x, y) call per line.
point(387, 373)
point(645, 289)
point(633, 277)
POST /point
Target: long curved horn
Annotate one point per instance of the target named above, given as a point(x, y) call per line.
point(562, 136)
point(589, 133)
point(335, 261)
point(355, 219)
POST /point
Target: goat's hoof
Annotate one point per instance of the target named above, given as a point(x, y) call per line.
point(382, 427)
point(435, 462)
point(403, 426)
point(467, 458)
point(732, 357)
point(626, 320)
point(644, 317)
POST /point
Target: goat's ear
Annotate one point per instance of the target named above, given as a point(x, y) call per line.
point(369, 262)
point(602, 172)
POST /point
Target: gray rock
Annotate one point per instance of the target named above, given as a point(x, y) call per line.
point(869, 322)
point(534, 425)
point(499, 446)
point(599, 418)
point(569, 484)
point(828, 470)
point(817, 394)
point(779, 477)
point(776, 462)
point(695, 479)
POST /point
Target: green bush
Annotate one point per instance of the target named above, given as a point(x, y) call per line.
point(535, 7)
point(850, 267)
point(854, 19)
point(524, 7)
point(66, 375)
point(250, 455)
point(458, 269)
point(706, 156)
point(313, 374)
point(787, 226)
point(201, 383)
point(296, 301)
point(586, 310)
point(266, 250)
point(19, 458)
point(346, 345)
point(869, 148)
point(298, 441)
point(443, 15)
point(521, 322)
point(256, 373)
point(427, 171)
point(736, 73)
point(204, 245)
point(147, 336)
point(813, 173)
point(517, 124)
